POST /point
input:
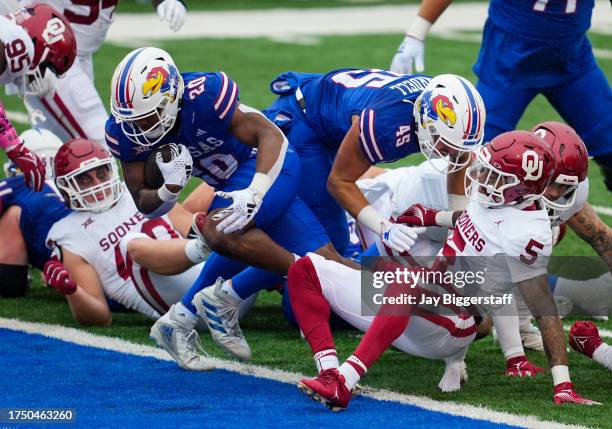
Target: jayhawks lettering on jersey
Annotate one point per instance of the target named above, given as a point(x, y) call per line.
point(383, 100)
point(39, 211)
point(543, 20)
point(207, 107)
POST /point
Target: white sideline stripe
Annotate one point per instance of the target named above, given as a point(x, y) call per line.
point(603, 210)
point(281, 23)
point(602, 332)
point(114, 344)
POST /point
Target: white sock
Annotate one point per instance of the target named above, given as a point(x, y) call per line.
point(184, 316)
point(228, 289)
point(507, 329)
point(194, 253)
point(326, 359)
point(603, 355)
point(351, 376)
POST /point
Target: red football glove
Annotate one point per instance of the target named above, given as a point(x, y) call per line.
point(58, 277)
point(30, 165)
point(519, 366)
point(584, 337)
point(418, 215)
point(565, 394)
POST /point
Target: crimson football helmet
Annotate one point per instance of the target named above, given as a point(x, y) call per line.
point(572, 163)
point(513, 169)
point(55, 45)
point(86, 175)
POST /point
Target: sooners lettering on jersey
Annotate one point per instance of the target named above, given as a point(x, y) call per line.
point(97, 237)
point(18, 48)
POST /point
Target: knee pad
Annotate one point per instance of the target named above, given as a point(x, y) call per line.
point(14, 280)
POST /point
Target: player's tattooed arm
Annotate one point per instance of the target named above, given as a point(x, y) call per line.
point(588, 226)
point(541, 303)
point(350, 164)
point(88, 304)
point(146, 199)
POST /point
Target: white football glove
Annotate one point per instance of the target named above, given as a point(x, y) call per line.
point(173, 12)
point(244, 208)
point(177, 171)
point(409, 51)
point(400, 237)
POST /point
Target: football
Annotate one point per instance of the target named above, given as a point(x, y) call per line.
point(153, 177)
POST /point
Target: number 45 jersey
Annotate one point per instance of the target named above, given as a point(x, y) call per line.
point(207, 106)
point(506, 244)
point(382, 100)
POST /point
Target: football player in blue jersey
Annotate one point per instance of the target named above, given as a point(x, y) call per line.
point(232, 147)
point(26, 216)
point(532, 47)
point(344, 121)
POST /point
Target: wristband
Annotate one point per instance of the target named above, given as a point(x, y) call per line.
point(261, 183)
point(560, 374)
point(444, 218)
point(371, 219)
point(419, 28)
point(165, 195)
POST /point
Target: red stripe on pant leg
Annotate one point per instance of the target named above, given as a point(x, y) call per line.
point(68, 115)
point(129, 267)
point(445, 322)
point(310, 307)
point(57, 118)
point(144, 274)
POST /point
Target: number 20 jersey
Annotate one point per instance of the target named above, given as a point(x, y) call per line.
point(207, 106)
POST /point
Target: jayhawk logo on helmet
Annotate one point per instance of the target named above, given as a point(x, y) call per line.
point(160, 79)
point(438, 107)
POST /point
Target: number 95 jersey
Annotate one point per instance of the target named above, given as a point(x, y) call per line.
point(207, 106)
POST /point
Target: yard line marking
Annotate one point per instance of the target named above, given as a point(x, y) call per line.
point(603, 210)
point(77, 336)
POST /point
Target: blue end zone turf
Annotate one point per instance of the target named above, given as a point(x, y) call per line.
point(113, 389)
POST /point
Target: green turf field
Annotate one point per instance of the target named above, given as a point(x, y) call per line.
point(253, 63)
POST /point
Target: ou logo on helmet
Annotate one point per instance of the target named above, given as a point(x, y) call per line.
point(532, 165)
point(54, 31)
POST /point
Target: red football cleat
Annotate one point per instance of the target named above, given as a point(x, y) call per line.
point(584, 338)
point(519, 366)
point(328, 388)
point(565, 394)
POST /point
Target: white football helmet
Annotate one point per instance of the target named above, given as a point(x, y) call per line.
point(450, 117)
point(43, 143)
point(146, 90)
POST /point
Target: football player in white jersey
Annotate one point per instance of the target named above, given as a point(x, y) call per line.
point(106, 247)
point(565, 199)
point(503, 230)
point(35, 42)
point(71, 107)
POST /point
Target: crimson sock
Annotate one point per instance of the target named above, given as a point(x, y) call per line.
point(310, 307)
point(388, 324)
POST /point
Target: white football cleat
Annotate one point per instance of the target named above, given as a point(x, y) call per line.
point(532, 338)
point(455, 374)
point(181, 342)
point(221, 312)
